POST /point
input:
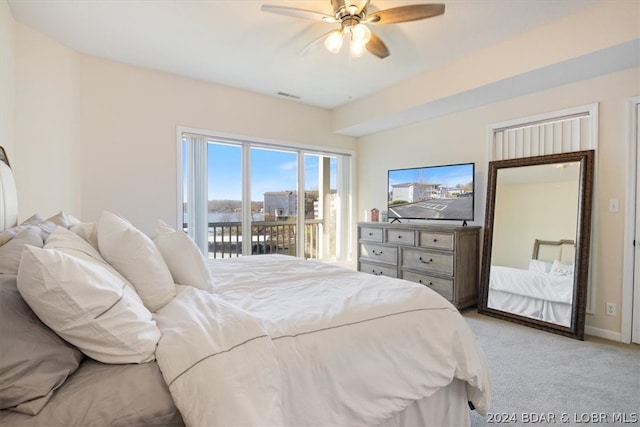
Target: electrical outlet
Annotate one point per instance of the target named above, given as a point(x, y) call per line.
point(611, 309)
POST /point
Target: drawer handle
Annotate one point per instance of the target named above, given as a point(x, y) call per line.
point(399, 237)
point(435, 240)
point(370, 234)
point(373, 251)
point(425, 262)
point(427, 284)
point(376, 274)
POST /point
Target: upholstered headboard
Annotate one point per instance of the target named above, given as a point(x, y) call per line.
point(8, 194)
point(554, 250)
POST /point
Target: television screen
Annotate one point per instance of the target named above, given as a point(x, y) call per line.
point(443, 192)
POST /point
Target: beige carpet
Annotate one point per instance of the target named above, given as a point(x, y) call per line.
point(540, 378)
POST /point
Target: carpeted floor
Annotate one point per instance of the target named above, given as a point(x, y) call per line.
point(543, 378)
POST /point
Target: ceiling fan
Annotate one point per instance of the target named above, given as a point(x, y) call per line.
point(354, 17)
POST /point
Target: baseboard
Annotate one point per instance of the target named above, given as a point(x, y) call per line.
point(603, 333)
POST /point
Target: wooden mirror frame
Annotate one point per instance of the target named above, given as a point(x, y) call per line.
point(583, 241)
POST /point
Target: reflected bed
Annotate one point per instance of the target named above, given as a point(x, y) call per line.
point(544, 291)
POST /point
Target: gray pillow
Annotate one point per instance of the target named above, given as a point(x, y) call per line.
point(34, 361)
point(11, 251)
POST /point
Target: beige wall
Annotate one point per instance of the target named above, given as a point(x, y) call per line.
point(462, 137)
point(526, 212)
point(7, 80)
point(47, 119)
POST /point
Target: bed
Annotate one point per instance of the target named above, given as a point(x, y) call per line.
point(103, 325)
point(544, 291)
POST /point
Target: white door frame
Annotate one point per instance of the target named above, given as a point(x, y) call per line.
point(631, 299)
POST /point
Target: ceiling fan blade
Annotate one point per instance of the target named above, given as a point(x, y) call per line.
point(406, 13)
point(365, 7)
point(298, 13)
point(377, 47)
point(353, 7)
point(337, 6)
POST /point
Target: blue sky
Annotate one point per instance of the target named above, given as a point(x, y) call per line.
point(271, 170)
point(449, 175)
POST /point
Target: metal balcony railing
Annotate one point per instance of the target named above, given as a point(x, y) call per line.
point(267, 237)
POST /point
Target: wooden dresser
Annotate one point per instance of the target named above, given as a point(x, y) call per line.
point(443, 257)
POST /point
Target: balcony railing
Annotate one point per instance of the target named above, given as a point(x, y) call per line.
point(267, 237)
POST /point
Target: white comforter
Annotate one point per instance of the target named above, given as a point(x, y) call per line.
point(533, 284)
point(285, 341)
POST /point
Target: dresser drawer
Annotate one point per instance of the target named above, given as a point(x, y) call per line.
point(442, 286)
point(428, 239)
point(371, 234)
point(428, 261)
point(377, 270)
point(380, 253)
point(401, 237)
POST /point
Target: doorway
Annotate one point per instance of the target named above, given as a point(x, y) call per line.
point(631, 278)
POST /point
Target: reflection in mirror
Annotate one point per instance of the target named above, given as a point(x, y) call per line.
point(537, 240)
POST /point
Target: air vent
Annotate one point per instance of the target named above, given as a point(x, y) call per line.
point(288, 95)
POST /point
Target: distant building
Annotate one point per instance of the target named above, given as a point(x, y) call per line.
point(414, 191)
point(452, 191)
point(281, 203)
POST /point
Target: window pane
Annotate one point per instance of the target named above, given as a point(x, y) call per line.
point(224, 209)
point(320, 206)
point(274, 201)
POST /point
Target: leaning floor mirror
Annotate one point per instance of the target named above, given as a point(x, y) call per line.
point(536, 241)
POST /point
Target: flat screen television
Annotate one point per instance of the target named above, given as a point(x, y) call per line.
point(442, 192)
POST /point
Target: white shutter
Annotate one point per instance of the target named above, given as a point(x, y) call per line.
point(555, 135)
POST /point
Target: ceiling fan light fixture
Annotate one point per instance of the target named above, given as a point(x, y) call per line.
point(334, 41)
point(360, 33)
point(353, 15)
point(357, 49)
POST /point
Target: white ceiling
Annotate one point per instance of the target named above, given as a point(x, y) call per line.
point(234, 43)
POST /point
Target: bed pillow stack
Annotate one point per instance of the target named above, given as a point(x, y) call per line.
point(96, 286)
point(75, 292)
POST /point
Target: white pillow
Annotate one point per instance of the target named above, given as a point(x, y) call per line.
point(185, 261)
point(34, 219)
point(560, 269)
point(70, 243)
point(539, 266)
point(10, 233)
point(88, 231)
point(46, 226)
point(137, 258)
point(60, 219)
point(11, 252)
point(87, 305)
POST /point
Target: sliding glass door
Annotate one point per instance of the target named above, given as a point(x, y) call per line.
point(247, 198)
